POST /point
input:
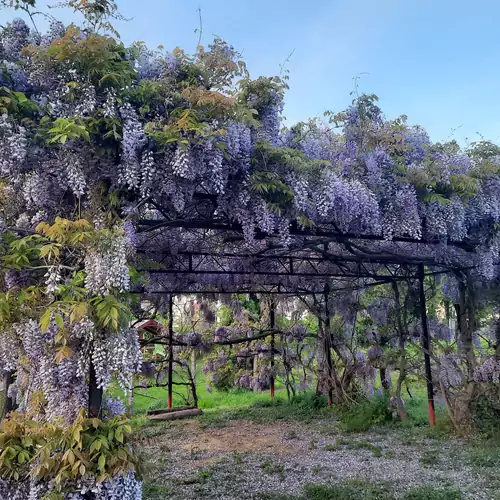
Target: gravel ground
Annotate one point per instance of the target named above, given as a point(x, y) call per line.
point(244, 459)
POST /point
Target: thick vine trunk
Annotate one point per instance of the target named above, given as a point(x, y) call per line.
point(255, 370)
point(95, 395)
point(193, 365)
point(6, 405)
point(383, 380)
point(497, 340)
point(131, 395)
point(329, 368)
point(466, 326)
point(402, 334)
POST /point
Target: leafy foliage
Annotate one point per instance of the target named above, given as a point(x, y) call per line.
point(87, 447)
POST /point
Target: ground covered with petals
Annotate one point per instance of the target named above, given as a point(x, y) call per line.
point(222, 459)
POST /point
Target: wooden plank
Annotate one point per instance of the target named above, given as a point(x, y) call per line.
point(175, 415)
point(170, 410)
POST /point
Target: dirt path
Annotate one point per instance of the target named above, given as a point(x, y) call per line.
point(243, 460)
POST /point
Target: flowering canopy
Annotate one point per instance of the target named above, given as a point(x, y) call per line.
point(115, 160)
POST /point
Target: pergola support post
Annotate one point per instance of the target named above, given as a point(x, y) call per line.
point(426, 345)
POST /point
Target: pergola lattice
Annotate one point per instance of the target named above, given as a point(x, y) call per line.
point(280, 270)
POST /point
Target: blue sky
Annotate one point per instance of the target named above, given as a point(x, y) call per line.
point(433, 60)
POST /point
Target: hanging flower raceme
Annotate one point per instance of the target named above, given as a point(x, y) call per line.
point(106, 265)
point(117, 355)
point(488, 371)
point(450, 371)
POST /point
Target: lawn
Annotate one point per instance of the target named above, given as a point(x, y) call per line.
point(239, 399)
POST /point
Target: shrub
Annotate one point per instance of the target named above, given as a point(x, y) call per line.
point(363, 415)
point(59, 455)
point(486, 415)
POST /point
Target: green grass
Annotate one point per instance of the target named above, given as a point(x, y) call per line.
point(485, 454)
point(429, 458)
point(429, 493)
point(331, 447)
point(354, 445)
point(157, 397)
point(361, 490)
point(305, 408)
point(270, 467)
point(153, 491)
point(222, 406)
point(348, 491)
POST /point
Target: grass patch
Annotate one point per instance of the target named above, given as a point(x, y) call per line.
point(331, 447)
point(153, 491)
point(292, 434)
point(485, 455)
point(304, 409)
point(201, 477)
point(353, 490)
point(350, 491)
point(354, 445)
point(429, 493)
point(429, 458)
point(368, 413)
point(360, 490)
point(365, 445)
point(273, 468)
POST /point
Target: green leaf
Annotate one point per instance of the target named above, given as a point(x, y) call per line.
point(71, 457)
point(45, 320)
point(95, 446)
point(101, 462)
point(119, 435)
point(59, 320)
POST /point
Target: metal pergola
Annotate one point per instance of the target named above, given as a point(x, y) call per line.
point(276, 270)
